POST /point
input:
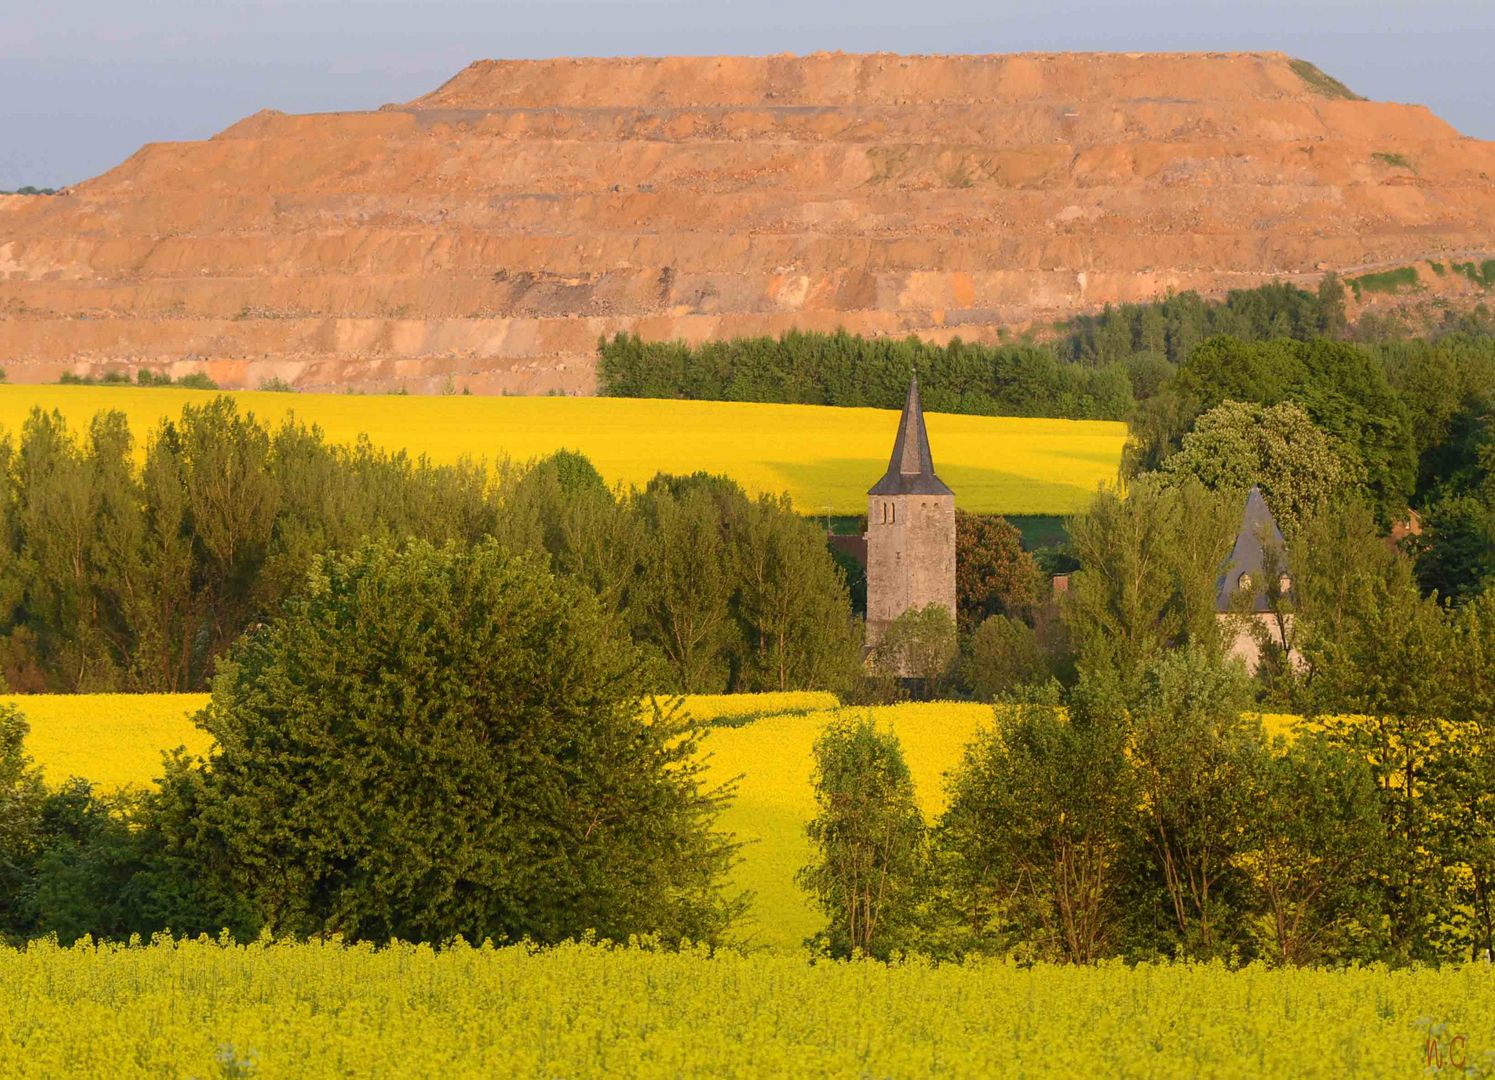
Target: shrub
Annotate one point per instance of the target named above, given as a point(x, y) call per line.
point(920, 645)
point(1003, 655)
point(435, 742)
point(1482, 273)
point(1321, 83)
point(1032, 845)
point(1400, 279)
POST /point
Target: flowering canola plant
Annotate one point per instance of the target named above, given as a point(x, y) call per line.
point(824, 457)
point(318, 1009)
point(116, 740)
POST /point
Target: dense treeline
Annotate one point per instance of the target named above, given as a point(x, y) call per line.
point(1152, 816)
point(114, 576)
point(727, 593)
point(1173, 327)
point(1098, 367)
point(844, 369)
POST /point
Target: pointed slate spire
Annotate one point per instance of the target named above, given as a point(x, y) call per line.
point(1247, 556)
point(911, 469)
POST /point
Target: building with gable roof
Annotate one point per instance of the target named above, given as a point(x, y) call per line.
point(1241, 592)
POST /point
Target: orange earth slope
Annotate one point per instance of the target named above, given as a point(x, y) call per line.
point(485, 235)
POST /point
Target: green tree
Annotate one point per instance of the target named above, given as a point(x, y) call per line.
point(233, 499)
point(562, 506)
point(1274, 631)
point(1032, 846)
point(1314, 839)
point(1448, 386)
point(1456, 552)
point(1464, 823)
point(1146, 583)
point(993, 574)
point(433, 742)
point(58, 521)
point(793, 606)
point(684, 597)
point(921, 645)
point(1332, 322)
point(21, 799)
point(169, 607)
point(868, 836)
point(1238, 444)
point(117, 570)
point(1341, 387)
point(1337, 551)
point(1375, 653)
point(1196, 757)
point(1003, 656)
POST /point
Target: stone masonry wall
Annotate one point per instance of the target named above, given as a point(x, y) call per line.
point(910, 557)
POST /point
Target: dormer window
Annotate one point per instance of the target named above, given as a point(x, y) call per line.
point(1244, 583)
point(1285, 584)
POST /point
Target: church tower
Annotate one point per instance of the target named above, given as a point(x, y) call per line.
point(910, 529)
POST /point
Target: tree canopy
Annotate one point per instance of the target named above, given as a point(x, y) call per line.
point(1237, 445)
point(438, 741)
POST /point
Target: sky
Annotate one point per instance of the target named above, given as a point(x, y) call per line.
point(84, 83)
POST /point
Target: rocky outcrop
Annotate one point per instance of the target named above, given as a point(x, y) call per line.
point(486, 234)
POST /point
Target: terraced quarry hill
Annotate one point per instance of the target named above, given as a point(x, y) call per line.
point(485, 235)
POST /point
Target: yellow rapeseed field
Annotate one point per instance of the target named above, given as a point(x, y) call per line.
point(196, 1008)
point(112, 740)
point(824, 457)
point(116, 740)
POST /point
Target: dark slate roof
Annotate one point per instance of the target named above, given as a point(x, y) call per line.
point(911, 469)
point(1246, 557)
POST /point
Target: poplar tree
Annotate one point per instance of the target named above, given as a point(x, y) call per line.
point(868, 836)
point(1149, 564)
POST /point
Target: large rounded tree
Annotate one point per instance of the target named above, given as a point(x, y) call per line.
point(432, 742)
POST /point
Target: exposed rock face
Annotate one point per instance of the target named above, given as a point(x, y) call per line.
point(486, 234)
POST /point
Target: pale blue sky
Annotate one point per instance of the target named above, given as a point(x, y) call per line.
point(84, 82)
